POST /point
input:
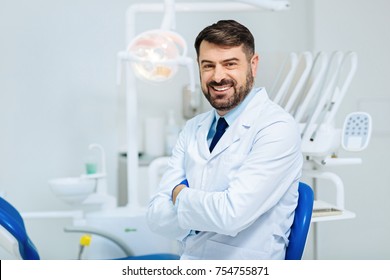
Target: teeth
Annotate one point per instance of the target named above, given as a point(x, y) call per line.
point(221, 88)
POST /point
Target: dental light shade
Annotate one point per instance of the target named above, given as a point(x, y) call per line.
point(156, 54)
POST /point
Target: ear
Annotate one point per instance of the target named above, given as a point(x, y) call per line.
point(254, 62)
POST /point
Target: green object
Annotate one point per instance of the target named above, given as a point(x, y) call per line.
point(91, 168)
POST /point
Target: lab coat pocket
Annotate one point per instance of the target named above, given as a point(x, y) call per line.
point(214, 250)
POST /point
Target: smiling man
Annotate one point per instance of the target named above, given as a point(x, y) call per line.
point(231, 186)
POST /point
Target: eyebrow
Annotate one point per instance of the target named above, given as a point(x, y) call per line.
point(223, 61)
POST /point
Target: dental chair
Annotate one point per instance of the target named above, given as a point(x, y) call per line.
point(301, 223)
point(14, 237)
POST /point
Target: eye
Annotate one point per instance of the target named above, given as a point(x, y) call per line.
point(207, 66)
point(231, 64)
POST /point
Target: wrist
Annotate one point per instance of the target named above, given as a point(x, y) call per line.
point(176, 190)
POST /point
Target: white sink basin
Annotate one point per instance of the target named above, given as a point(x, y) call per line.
point(73, 190)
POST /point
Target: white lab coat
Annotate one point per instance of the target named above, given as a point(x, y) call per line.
point(242, 196)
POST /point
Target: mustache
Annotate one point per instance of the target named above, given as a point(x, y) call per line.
point(223, 82)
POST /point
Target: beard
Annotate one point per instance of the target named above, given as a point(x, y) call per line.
point(222, 104)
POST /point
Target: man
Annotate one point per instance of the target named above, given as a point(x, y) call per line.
point(234, 199)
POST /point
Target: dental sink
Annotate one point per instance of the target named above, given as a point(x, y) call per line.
point(73, 190)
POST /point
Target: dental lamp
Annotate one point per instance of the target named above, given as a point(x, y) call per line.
point(155, 56)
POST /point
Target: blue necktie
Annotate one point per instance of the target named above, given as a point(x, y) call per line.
point(221, 127)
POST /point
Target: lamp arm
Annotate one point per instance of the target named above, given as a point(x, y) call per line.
point(273, 5)
point(169, 21)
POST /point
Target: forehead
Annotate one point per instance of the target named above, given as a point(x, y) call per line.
point(212, 52)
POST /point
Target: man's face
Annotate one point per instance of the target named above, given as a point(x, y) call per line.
point(226, 75)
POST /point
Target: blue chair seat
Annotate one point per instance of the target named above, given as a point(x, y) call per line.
point(301, 223)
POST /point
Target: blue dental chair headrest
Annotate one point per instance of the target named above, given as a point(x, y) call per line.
point(12, 223)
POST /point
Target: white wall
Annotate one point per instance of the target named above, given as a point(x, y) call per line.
point(57, 95)
point(58, 92)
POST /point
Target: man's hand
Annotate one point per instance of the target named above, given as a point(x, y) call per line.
point(176, 192)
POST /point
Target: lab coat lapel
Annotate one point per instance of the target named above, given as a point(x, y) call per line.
point(241, 125)
point(232, 134)
point(201, 135)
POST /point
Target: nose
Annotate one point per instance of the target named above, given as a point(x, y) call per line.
point(219, 73)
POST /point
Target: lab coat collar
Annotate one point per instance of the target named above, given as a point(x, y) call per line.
point(236, 130)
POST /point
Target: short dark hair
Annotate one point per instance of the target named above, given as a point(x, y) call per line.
point(228, 33)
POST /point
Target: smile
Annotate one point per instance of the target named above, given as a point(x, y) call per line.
point(222, 88)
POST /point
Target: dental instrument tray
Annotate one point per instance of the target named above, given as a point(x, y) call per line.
point(321, 209)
